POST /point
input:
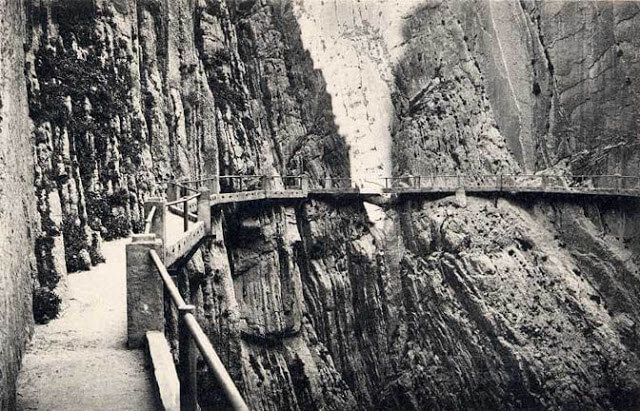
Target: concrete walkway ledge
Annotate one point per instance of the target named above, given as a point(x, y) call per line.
point(164, 371)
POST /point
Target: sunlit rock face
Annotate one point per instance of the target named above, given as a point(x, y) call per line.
point(477, 88)
point(356, 45)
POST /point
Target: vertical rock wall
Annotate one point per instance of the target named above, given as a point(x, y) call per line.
point(17, 210)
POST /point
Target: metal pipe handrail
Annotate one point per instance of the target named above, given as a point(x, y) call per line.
point(181, 185)
point(201, 340)
point(174, 293)
point(198, 180)
point(180, 213)
point(337, 178)
point(183, 199)
point(215, 365)
point(242, 176)
point(149, 220)
point(569, 183)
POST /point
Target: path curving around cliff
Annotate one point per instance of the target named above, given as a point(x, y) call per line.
point(80, 361)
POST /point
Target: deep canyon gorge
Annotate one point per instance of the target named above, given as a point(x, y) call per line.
point(511, 303)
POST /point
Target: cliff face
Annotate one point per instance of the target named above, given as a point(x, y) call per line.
point(525, 303)
point(467, 296)
point(17, 210)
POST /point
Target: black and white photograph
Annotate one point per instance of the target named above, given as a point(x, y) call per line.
point(319, 205)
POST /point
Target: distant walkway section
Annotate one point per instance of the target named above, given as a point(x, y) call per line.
point(607, 185)
point(80, 361)
point(231, 189)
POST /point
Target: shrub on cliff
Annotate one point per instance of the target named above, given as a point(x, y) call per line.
point(46, 305)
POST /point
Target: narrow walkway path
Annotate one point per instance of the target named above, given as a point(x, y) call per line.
point(80, 361)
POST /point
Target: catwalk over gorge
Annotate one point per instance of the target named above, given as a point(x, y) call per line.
point(443, 303)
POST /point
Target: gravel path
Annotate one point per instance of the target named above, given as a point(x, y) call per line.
point(80, 360)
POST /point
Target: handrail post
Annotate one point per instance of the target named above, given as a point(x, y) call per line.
point(266, 183)
point(304, 184)
point(214, 185)
point(172, 191)
point(158, 224)
point(185, 216)
point(329, 183)
point(619, 184)
point(187, 362)
point(145, 296)
point(204, 209)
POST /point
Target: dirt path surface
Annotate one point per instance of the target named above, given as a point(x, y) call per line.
point(80, 360)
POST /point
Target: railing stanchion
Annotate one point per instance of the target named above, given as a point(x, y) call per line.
point(204, 209)
point(173, 191)
point(266, 183)
point(185, 216)
point(304, 184)
point(187, 362)
point(619, 185)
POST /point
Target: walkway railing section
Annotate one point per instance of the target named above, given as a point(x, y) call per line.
point(255, 187)
point(149, 254)
point(580, 184)
point(190, 337)
point(148, 281)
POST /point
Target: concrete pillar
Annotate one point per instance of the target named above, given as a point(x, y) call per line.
point(158, 224)
point(145, 296)
point(204, 209)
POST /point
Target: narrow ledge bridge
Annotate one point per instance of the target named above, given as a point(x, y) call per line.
point(176, 226)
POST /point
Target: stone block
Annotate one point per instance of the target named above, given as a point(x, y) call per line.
point(145, 296)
